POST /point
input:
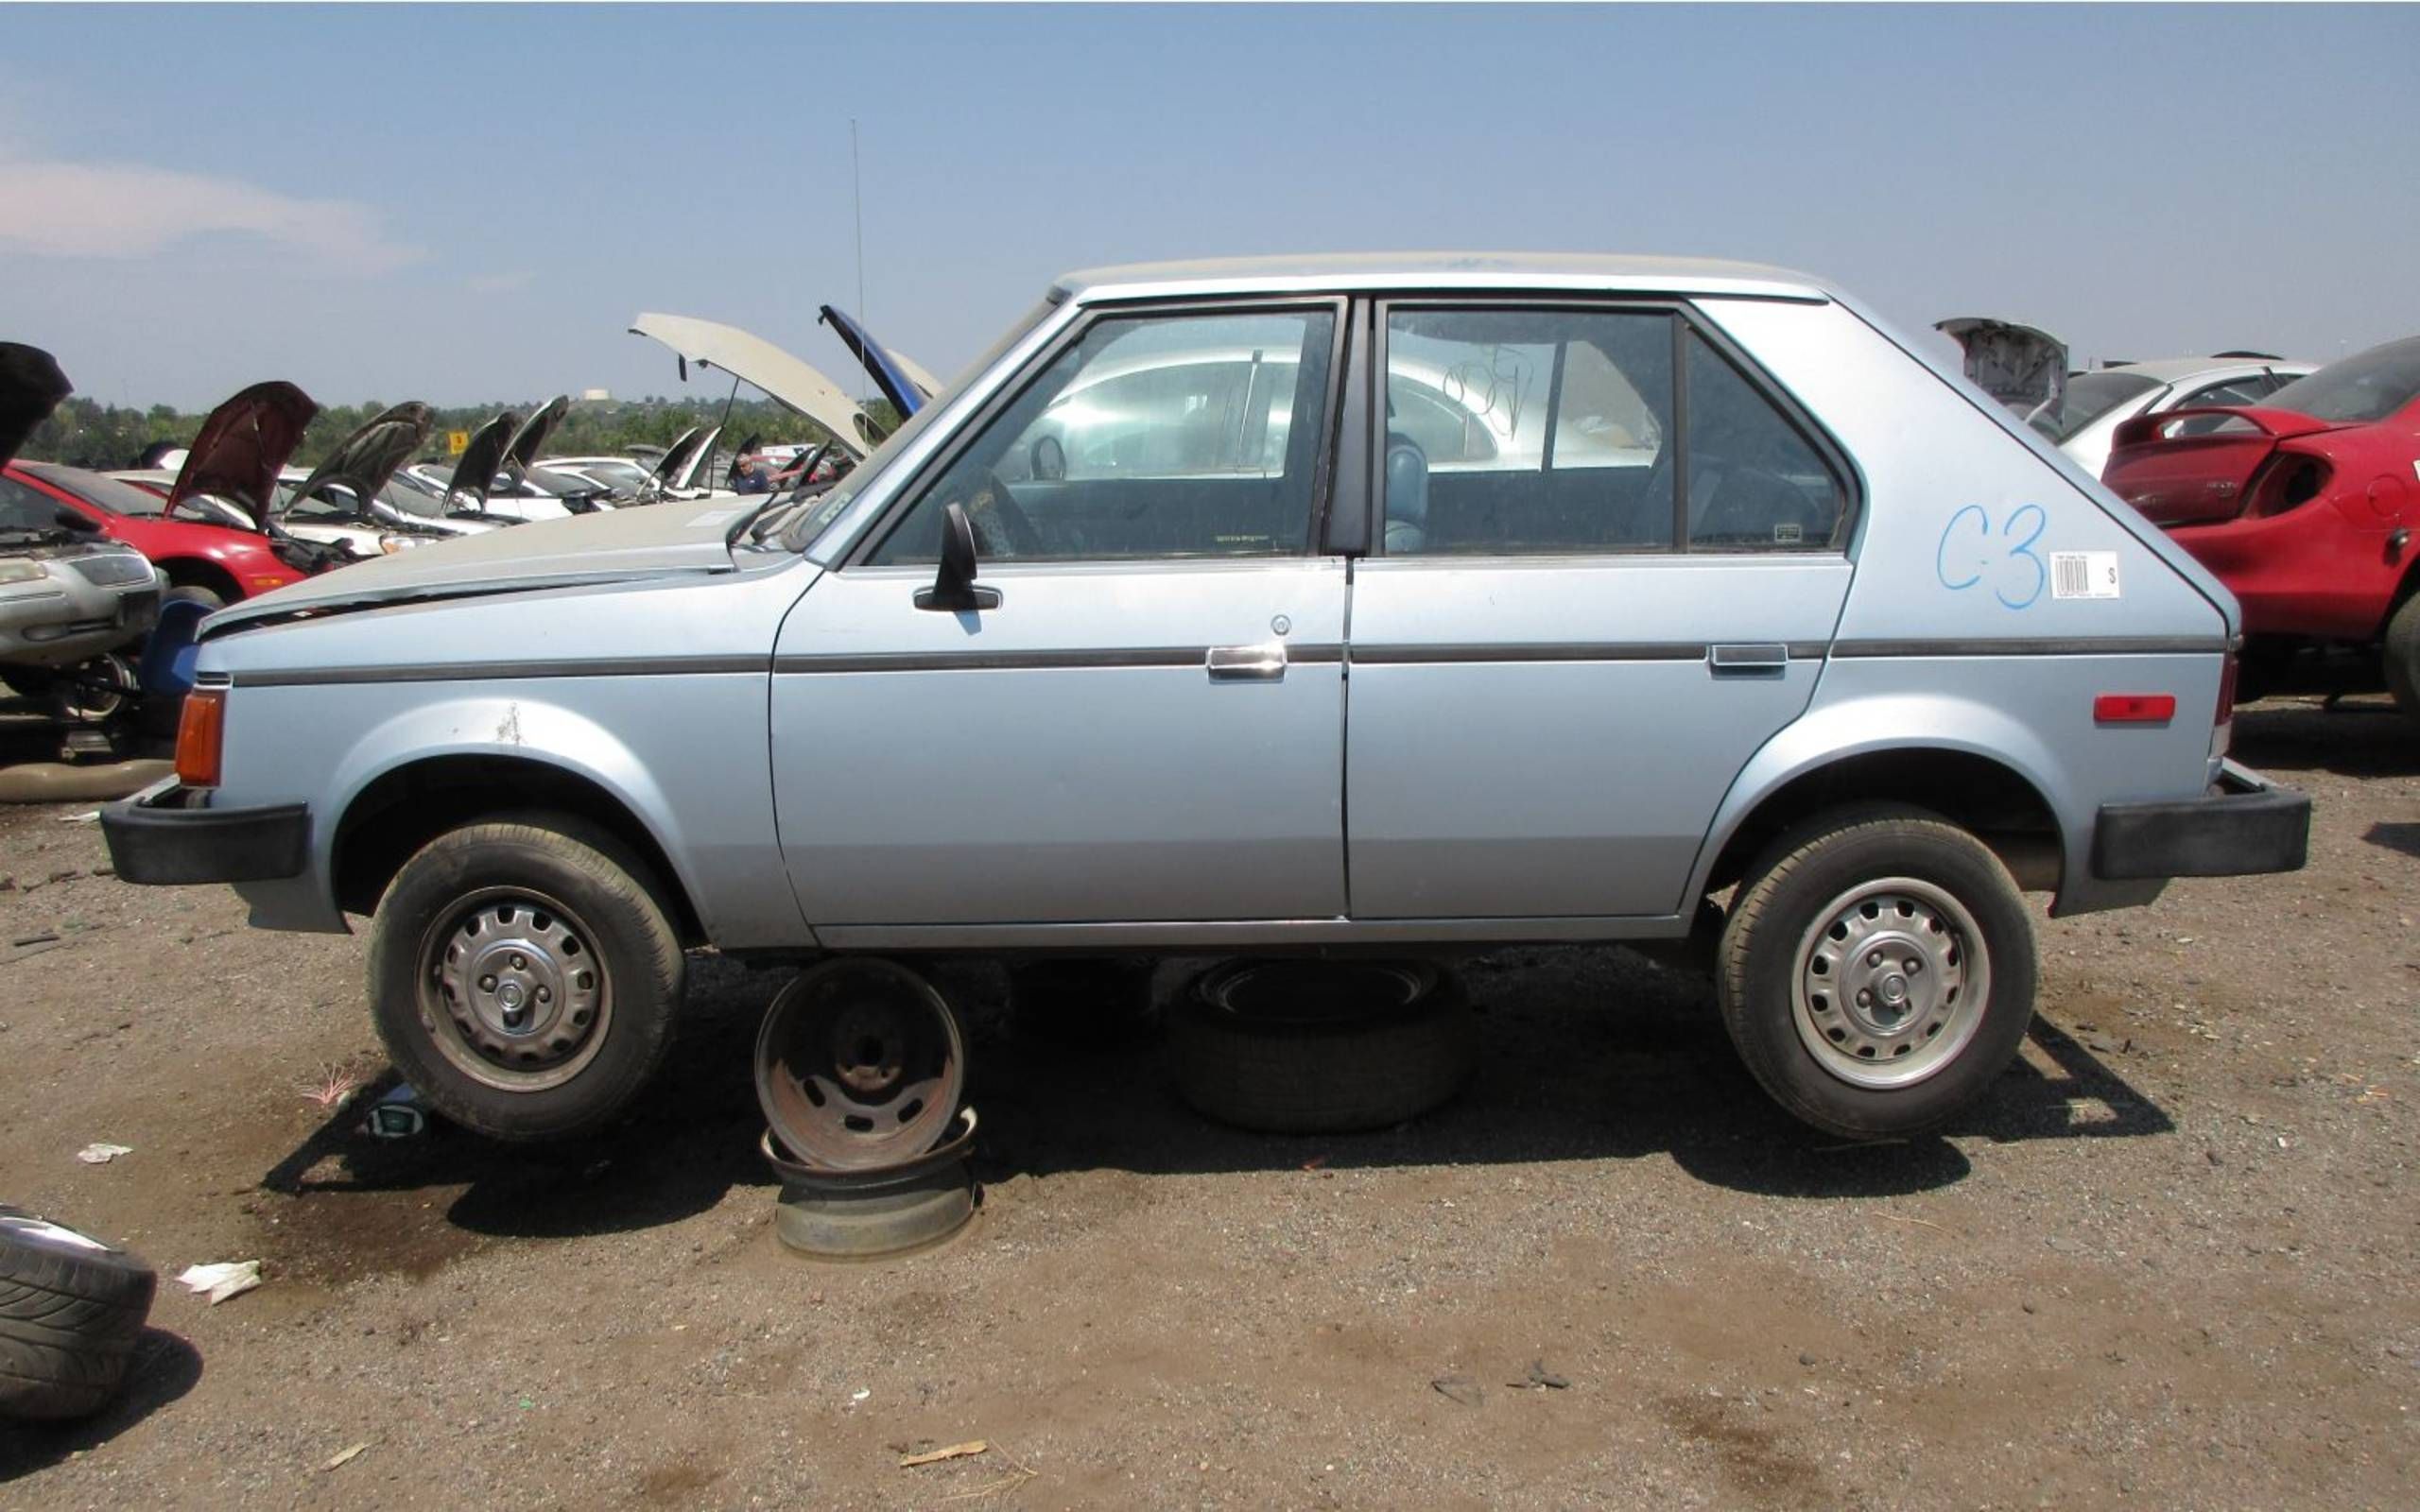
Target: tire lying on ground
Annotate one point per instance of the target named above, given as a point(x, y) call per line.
point(71, 1308)
point(1321, 1047)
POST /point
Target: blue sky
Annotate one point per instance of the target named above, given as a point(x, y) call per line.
point(463, 204)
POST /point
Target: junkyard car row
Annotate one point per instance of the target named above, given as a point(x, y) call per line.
point(1403, 604)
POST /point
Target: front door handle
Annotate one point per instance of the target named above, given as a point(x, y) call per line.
point(1761, 659)
point(1246, 663)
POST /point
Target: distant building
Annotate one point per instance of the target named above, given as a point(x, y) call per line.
point(595, 396)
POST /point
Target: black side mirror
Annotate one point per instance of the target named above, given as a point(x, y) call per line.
point(67, 519)
point(954, 588)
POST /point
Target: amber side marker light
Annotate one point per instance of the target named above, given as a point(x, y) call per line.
point(199, 734)
point(2133, 709)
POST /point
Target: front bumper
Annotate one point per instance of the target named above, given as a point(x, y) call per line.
point(168, 836)
point(2242, 826)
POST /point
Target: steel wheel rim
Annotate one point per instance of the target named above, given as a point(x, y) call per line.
point(513, 992)
point(1891, 983)
point(859, 1065)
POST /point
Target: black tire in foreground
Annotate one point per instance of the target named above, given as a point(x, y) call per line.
point(2400, 657)
point(524, 976)
point(1877, 972)
point(71, 1308)
point(1321, 1047)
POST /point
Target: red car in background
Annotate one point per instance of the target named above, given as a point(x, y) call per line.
point(217, 564)
point(2305, 507)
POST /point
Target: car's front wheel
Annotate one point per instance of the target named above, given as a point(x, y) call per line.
point(1876, 971)
point(524, 976)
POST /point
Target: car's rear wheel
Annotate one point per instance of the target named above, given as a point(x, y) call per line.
point(1876, 971)
point(524, 976)
point(2400, 656)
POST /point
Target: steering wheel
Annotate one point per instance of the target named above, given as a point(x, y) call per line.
point(991, 509)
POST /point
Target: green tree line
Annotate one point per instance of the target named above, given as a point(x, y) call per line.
point(85, 433)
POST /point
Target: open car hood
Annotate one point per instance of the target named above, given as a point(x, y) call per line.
point(31, 387)
point(474, 471)
point(243, 446)
point(2022, 367)
point(907, 386)
point(764, 366)
point(611, 545)
point(364, 460)
point(523, 448)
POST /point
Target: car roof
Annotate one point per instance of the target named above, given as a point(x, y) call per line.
point(2176, 369)
point(1434, 271)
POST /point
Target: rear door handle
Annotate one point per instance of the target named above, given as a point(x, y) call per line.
point(1246, 663)
point(1756, 658)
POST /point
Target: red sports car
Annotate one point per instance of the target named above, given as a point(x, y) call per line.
point(2305, 507)
point(215, 563)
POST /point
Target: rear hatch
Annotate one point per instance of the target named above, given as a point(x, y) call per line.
point(2024, 369)
point(2195, 467)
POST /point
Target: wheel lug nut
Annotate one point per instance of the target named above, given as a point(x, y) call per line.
point(1874, 959)
point(521, 963)
point(545, 995)
point(1914, 965)
point(487, 984)
point(1864, 999)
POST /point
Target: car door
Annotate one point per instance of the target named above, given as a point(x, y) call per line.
point(1143, 720)
point(1612, 555)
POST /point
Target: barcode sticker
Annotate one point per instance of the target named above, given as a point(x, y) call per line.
point(2084, 574)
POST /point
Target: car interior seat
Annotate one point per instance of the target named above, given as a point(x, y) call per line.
point(1406, 496)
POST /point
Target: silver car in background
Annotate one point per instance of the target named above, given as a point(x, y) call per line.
point(1404, 604)
point(2097, 403)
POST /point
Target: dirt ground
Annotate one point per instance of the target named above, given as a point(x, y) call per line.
point(2170, 1260)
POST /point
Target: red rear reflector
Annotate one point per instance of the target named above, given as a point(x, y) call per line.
point(199, 731)
point(2134, 708)
point(2226, 693)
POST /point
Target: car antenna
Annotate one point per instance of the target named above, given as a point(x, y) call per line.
point(857, 202)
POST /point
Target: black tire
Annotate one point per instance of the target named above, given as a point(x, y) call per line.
point(1333, 1056)
point(576, 881)
point(2400, 657)
point(1770, 936)
point(1081, 1002)
point(71, 1309)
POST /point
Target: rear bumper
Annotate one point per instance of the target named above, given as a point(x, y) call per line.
point(167, 837)
point(2242, 826)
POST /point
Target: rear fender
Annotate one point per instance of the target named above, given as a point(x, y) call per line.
point(1892, 722)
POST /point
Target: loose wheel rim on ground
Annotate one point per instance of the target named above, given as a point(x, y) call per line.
point(860, 1064)
point(1891, 983)
point(514, 993)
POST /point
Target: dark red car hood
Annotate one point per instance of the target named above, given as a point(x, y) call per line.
point(2204, 475)
point(243, 446)
point(31, 387)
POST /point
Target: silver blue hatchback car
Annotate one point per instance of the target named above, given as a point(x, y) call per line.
point(1408, 603)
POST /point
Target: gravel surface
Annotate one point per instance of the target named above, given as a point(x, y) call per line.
point(2170, 1259)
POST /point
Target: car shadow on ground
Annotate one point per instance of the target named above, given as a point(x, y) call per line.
point(1588, 1054)
point(2356, 737)
point(164, 1367)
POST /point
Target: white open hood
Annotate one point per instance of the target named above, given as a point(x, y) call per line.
point(765, 365)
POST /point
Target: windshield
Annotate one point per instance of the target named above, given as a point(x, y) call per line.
point(116, 495)
point(2089, 396)
point(2367, 386)
point(405, 498)
point(802, 533)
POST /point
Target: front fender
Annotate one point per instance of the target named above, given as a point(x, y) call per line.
point(512, 726)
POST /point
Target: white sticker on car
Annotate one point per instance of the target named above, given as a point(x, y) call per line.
point(2084, 574)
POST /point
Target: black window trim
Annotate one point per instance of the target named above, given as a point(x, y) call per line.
point(1688, 321)
point(912, 492)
